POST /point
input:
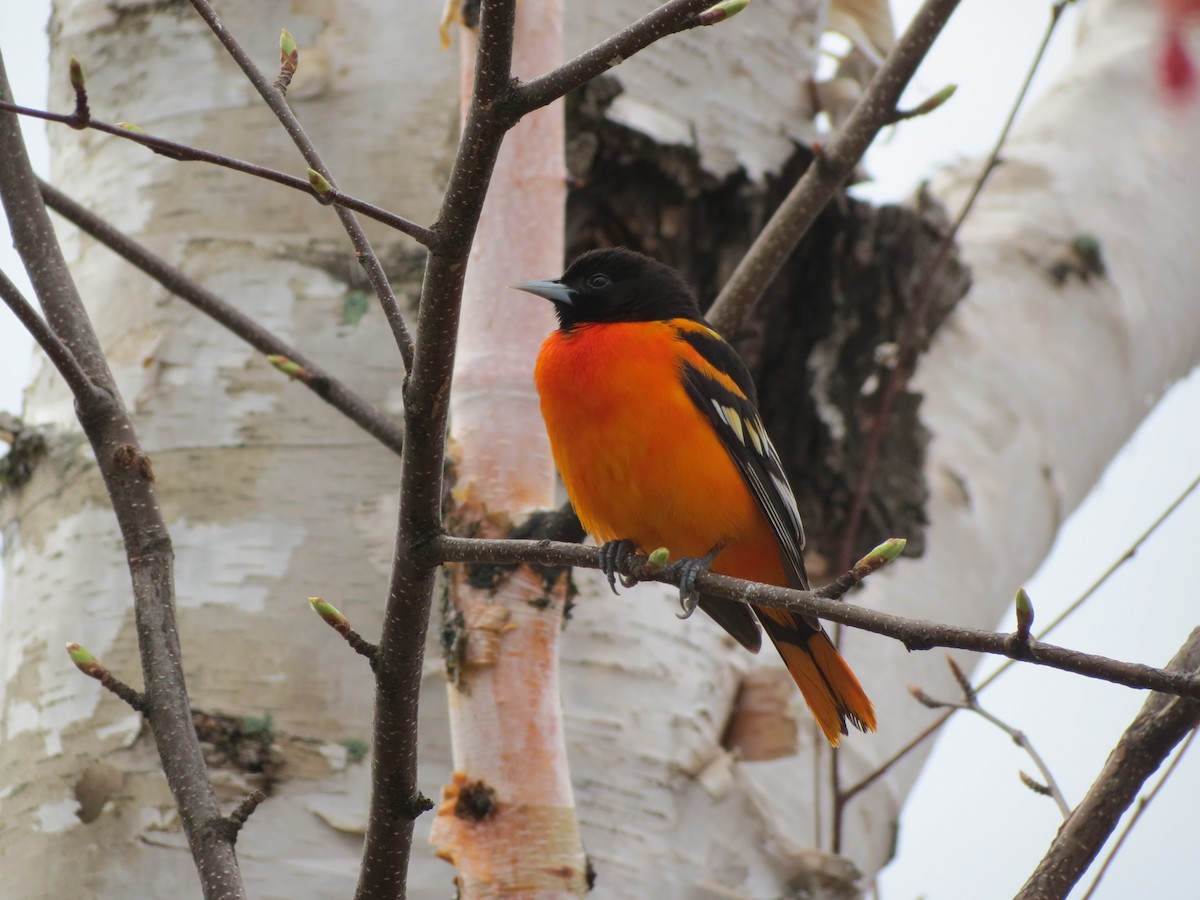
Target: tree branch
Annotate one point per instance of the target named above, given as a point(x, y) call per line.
point(918, 739)
point(61, 357)
point(355, 407)
point(93, 668)
point(236, 820)
point(1142, 805)
point(130, 485)
point(915, 634)
point(829, 170)
point(1162, 723)
point(971, 702)
point(915, 319)
point(333, 617)
point(276, 99)
point(187, 153)
point(668, 19)
point(395, 800)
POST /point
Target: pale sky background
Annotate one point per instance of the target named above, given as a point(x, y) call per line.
point(970, 830)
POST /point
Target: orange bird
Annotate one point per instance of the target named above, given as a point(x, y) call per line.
point(655, 430)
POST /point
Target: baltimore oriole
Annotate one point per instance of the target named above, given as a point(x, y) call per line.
point(655, 430)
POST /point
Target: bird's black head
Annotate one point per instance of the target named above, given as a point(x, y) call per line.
point(616, 285)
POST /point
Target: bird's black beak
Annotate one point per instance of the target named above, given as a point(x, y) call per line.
point(554, 291)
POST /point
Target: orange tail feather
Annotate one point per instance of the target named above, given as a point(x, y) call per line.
point(830, 688)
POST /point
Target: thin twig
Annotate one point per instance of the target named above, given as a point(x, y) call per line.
point(915, 318)
point(237, 819)
point(93, 668)
point(920, 738)
point(144, 533)
point(58, 352)
point(668, 19)
point(187, 153)
point(1125, 557)
point(898, 379)
point(829, 170)
point(276, 100)
point(1142, 803)
point(356, 408)
point(971, 703)
point(333, 617)
point(915, 634)
point(847, 794)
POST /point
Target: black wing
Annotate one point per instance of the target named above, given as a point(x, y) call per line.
point(734, 416)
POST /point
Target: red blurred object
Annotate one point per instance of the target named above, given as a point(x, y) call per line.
point(1176, 70)
point(1176, 73)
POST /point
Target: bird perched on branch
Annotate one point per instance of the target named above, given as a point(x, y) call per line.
point(654, 426)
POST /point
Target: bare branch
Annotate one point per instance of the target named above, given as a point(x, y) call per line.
point(234, 822)
point(395, 800)
point(93, 668)
point(915, 319)
point(971, 703)
point(670, 18)
point(915, 634)
point(58, 352)
point(1125, 557)
point(131, 490)
point(355, 407)
point(333, 617)
point(1142, 804)
point(1161, 724)
point(920, 738)
point(829, 170)
point(187, 153)
point(276, 99)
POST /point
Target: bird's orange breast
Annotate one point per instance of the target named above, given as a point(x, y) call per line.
point(638, 459)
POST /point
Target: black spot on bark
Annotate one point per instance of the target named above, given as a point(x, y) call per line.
point(476, 802)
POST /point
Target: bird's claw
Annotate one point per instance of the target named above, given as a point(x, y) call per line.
point(689, 569)
point(613, 556)
point(687, 604)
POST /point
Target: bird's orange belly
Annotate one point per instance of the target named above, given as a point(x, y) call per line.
point(639, 460)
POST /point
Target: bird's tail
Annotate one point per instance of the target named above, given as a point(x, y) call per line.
point(830, 688)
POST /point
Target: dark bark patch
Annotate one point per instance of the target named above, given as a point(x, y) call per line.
point(244, 744)
point(476, 801)
point(27, 447)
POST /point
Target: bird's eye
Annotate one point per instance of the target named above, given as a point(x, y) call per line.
point(598, 281)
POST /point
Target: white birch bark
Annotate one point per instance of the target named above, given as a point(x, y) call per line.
point(1030, 389)
point(270, 495)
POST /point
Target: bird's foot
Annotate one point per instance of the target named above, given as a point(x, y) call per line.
point(689, 569)
point(613, 557)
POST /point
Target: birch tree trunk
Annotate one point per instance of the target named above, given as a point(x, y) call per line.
point(504, 702)
point(271, 497)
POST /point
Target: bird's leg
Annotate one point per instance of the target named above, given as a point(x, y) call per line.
point(613, 556)
point(689, 569)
